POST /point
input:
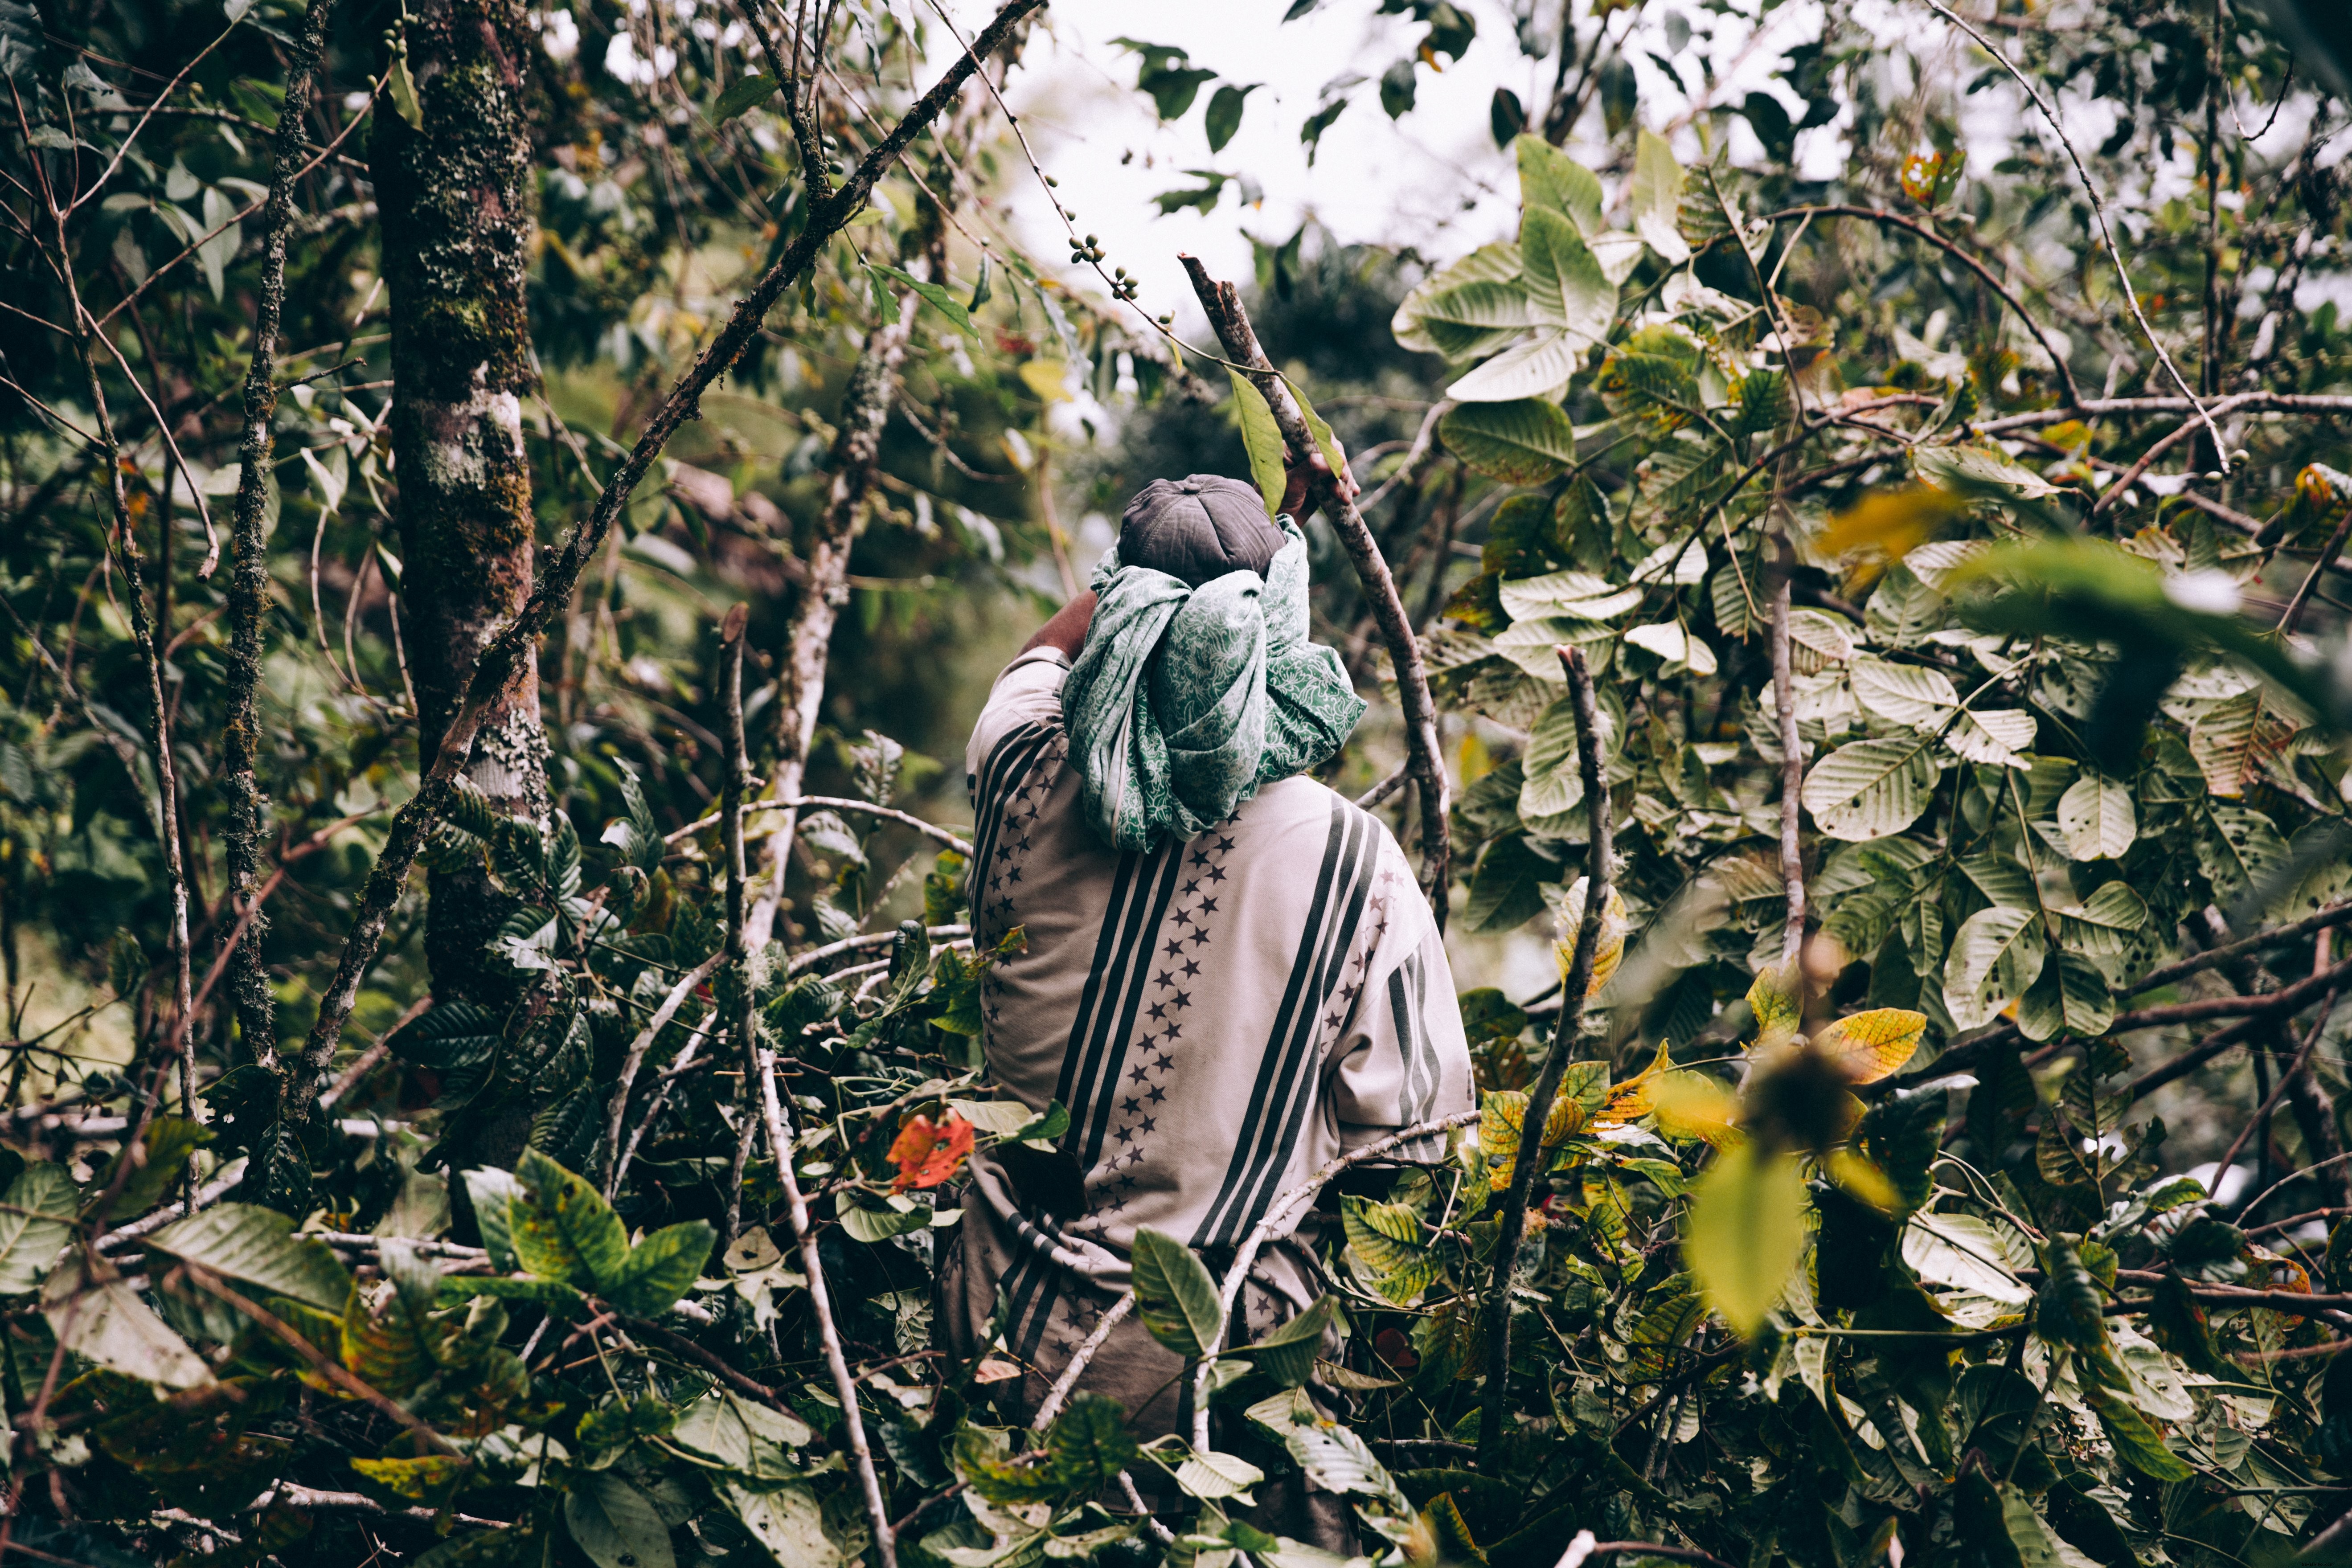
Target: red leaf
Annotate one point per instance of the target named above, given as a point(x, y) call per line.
point(928, 1155)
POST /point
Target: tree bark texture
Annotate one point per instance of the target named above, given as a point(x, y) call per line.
point(248, 585)
point(458, 229)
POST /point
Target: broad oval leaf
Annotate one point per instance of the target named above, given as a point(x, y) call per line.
point(1657, 197)
point(1541, 365)
point(1994, 956)
point(664, 1266)
point(258, 1246)
point(1867, 1047)
point(1578, 594)
point(1567, 290)
point(1609, 945)
point(97, 1315)
point(1215, 1475)
point(562, 1229)
point(1552, 182)
point(1175, 1294)
point(36, 1218)
point(1870, 789)
point(1746, 1232)
point(2097, 818)
point(1909, 694)
point(615, 1524)
point(2001, 736)
point(742, 93)
point(1525, 441)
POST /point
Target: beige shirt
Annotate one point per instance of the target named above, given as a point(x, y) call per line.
point(1220, 1018)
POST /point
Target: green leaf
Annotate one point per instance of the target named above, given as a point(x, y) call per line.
point(1995, 955)
point(1538, 367)
point(1552, 182)
point(2097, 818)
point(258, 1245)
point(790, 1522)
point(36, 1218)
point(741, 1436)
point(397, 1348)
point(2104, 923)
point(1472, 307)
point(2070, 994)
point(1261, 439)
point(871, 1225)
point(1507, 887)
point(2136, 1440)
point(615, 1524)
point(1325, 441)
point(1216, 1477)
point(1872, 789)
point(661, 1268)
point(744, 92)
point(562, 1229)
point(1565, 285)
point(1175, 1294)
point(493, 1195)
point(1287, 1354)
point(1088, 1445)
point(1746, 1232)
point(1527, 441)
point(98, 1316)
point(1657, 197)
point(1225, 116)
point(937, 297)
point(2068, 1309)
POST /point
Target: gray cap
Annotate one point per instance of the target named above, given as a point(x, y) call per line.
point(1198, 529)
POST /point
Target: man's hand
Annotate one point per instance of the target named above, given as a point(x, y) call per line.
point(1298, 477)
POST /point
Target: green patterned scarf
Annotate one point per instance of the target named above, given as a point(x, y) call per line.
point(1185, 701)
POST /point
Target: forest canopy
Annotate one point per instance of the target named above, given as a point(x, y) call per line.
point(510, 514)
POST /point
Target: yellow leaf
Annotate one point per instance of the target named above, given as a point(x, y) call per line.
point(1863, 1180)
point(1777, 998)
point(1692, 1105)
point(1503, 1113)
point(1046, 377)
point(1746, 1233)
point(1866, 1047)
point(1895, 522)
point(1610, 949)
point(1630, 1101)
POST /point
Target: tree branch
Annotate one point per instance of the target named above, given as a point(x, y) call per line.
point(1333, 493)
point(248, 581)
point(1573, 986)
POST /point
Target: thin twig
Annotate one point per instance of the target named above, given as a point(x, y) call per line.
point(930, 830)
point(616, 1109)
point(845, 1384)
point(2098, 210)
point(1573, 987)
point(1094, 1342)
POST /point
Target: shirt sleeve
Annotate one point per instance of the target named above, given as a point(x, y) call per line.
point(1028, 693)
point(1403, 1058)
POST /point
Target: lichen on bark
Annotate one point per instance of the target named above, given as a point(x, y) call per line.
point(456, 193)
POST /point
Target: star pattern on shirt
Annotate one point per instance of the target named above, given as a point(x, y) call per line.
point(1187, 934)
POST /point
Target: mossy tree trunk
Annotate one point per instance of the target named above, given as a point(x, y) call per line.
point(456, 196)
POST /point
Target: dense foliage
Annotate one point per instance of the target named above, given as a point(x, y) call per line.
point(1956, 546)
